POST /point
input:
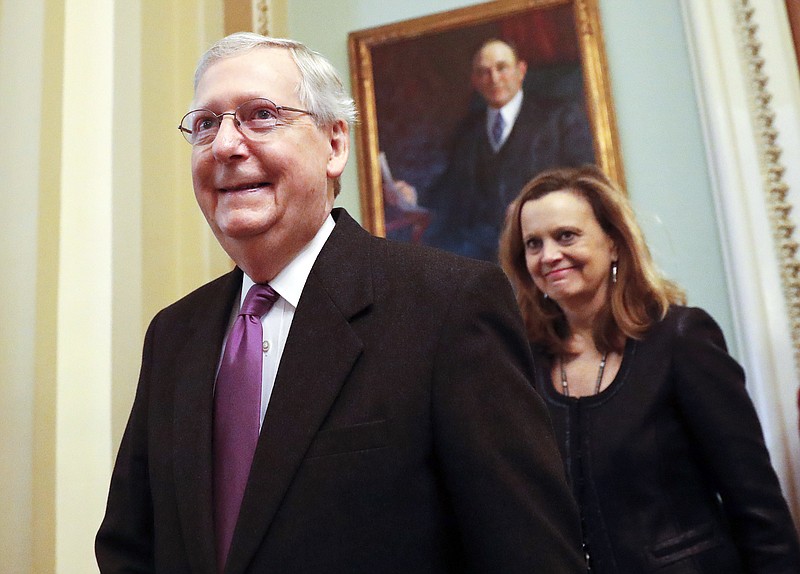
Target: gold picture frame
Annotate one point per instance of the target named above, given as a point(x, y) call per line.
point(386, 59)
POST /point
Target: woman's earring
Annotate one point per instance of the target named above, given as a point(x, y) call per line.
point(613, 271)
point(545, 295)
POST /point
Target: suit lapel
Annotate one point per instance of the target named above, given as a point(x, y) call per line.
point(522, 130)
point(194, 385)
point(320, 352)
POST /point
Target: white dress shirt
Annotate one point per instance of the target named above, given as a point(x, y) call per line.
point(289, 285)
point(510, 111)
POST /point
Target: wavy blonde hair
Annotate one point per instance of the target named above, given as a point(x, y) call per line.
point(641, 295)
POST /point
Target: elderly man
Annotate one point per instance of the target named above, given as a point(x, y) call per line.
point(497, 149)
point(337, 403)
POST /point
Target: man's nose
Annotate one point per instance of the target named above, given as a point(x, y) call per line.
point(229, 138)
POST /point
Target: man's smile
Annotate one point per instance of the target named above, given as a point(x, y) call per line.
point(244, 187)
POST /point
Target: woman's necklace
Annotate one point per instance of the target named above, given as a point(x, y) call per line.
point(565, 385)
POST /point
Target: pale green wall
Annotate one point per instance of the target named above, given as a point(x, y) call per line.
point(663, 149)
point(657, 115)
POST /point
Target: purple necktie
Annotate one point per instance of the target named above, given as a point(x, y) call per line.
point(497, 130)
point(237, 413)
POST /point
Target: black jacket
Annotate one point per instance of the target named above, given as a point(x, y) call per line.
point(402, 435)
point(669, 463)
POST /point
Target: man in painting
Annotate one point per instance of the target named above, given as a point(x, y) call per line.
point(337, 403)
point(496, 150)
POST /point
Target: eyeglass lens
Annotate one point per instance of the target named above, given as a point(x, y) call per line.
point(254, 118)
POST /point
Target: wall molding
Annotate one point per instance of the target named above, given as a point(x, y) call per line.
point(775, 187)
point(261, 17)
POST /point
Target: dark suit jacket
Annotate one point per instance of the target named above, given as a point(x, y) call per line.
point(470, 199)
point(669, 464)
point(403, 433)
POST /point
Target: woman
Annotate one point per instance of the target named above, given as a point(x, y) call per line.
point(660, 440)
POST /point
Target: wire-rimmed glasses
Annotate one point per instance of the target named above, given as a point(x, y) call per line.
point(254, 118)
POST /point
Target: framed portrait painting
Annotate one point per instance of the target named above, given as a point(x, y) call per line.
point(436, 165)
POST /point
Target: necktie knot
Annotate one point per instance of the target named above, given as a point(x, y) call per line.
point(259, 300)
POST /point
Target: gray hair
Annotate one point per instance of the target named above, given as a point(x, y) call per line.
point(320, 89)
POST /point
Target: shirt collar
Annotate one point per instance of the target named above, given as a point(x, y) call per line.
point(290, 281)
point(510, 111)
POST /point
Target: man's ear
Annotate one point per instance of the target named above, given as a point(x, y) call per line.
point(339, 134)
point(522, 66)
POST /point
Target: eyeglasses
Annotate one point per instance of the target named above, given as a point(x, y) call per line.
point(254, 118)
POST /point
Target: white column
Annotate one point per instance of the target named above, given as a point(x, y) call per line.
point(20, 94)
point(83, 402)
